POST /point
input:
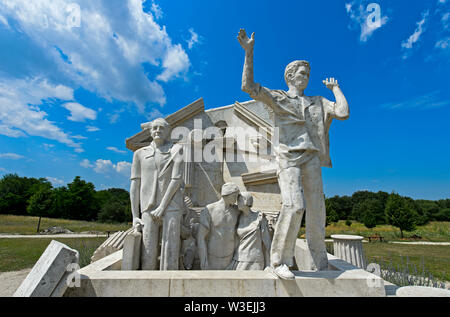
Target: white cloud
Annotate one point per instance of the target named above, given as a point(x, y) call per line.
point(20, 109)
point(55, 181)
point(427, 101)
point(4, 21)
point(443, 43)
point(106, 53)
point(123, 168)
point(445, 20)
point(48, 146)
point(114, 149)
point(11, 156)
point(107, 167)
point(79, 113)
point(174, 63)
point(156, 9)
point(194, 38)
point(361, 17)
point(154, 114)
point(415, 37)
point(86, 164)
point(90, 128)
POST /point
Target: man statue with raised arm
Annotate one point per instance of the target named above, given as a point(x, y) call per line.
point(302, 150)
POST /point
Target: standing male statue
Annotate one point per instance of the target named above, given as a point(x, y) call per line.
point(303, 148)
point(156, 176)
point(216, 236)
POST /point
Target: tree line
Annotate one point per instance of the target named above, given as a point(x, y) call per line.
point(380, 208)
point(80, 201)
point(77, 201)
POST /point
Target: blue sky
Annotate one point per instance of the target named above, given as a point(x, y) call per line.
point(74, 86)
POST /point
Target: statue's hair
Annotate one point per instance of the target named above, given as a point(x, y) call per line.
point(293, 66)
point(149, 125)
point(162, 120)
point(248, 198)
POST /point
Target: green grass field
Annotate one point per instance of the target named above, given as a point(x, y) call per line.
point(433, 231)
point(27, 225)
point(433, 258)
point(18, 254)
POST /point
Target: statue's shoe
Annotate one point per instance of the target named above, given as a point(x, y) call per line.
point(283, 272)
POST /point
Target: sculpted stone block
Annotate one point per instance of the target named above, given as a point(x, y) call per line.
point(48, 272)
point(132, 251)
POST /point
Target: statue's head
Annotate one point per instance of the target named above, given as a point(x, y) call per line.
point(160, 130)
point(230, 192)
point(245, 200)
point(297, 74)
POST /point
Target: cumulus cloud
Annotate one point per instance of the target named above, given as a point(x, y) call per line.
point(194, 38)
point(107, 167)
point(11, 156)
point(106, 51)
point(364, 17)
point(86, 164)
point(79, 113)
point(114, 149)
point(408, 44)
point(20, 109)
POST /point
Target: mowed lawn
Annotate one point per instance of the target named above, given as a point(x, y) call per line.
point(433, 231)
point(20, 253)
point(10, 224)
point(434, 258)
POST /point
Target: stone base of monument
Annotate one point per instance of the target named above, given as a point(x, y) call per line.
point(104, 278)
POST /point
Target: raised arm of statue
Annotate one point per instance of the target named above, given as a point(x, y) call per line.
point(248, 83)
point(256, 91)
point(341, 110)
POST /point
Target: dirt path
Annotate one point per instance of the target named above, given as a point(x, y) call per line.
point(10, 281)
point(51, 236)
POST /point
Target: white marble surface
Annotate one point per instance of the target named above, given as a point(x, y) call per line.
point(48, 271)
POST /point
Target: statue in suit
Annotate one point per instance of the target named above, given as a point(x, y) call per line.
point(156, 198)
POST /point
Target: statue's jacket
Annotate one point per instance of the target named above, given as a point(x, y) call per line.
point(156, 169)
point(303, 122)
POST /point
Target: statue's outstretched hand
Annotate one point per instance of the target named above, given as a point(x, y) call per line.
point(330, 83)
point(246, 43)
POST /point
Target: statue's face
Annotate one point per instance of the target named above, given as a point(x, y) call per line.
point(241, 202)
point(300, 77)
point(159, 131)
point(231, 198)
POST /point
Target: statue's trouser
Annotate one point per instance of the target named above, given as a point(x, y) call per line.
point(170, 245)
point(300, 187)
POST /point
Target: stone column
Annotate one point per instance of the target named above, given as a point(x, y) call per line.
point(349, 248)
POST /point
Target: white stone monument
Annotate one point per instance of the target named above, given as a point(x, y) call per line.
point(48, 276)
